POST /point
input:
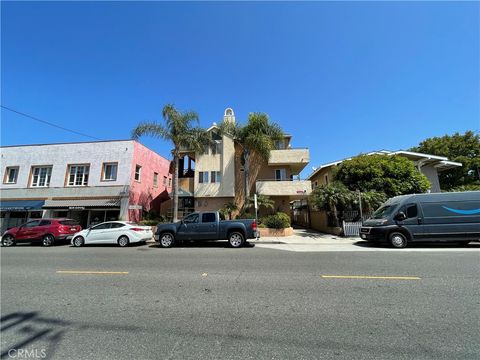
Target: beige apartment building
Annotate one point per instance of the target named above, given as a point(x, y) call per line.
point(216, 176)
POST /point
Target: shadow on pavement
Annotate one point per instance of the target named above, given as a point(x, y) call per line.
point(421, 245)
point(203, 244)
point(41, 335)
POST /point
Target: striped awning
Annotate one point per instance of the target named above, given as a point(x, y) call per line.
point(81, 203)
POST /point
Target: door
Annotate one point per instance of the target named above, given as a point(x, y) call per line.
point(97, 234)
point(188, 228)
point(37, 232)
point(414, 220)
point(26, 230)
point(207, 229)
point(116, 230)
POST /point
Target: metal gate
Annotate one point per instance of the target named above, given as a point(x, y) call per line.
point(351, 228)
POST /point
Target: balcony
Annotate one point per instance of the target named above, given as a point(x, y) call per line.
point(297, 159)
point(284, 187)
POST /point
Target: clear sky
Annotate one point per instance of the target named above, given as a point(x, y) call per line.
point(342, 78)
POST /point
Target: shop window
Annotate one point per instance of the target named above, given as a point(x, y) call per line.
point(78, 175)
point(41, 176)
point(11, 175)
point(109, 171)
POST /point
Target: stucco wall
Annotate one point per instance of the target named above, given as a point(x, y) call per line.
point(211, 203)
point(432, 175)
point(225, 163)
point(59, 156)
point(143, 192)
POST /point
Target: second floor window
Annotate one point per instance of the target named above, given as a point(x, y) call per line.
point(217, 148)
point(155, 179)
point(216, 176)
point(203, 177)
point(110, 171)
point(78, 175)
point(41, 176)
point(164, 181)
point(138, 172)
point(280, 174)
point(11, 175)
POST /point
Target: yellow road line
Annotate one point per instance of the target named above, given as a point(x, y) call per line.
point(74, 272)
point(370, 277)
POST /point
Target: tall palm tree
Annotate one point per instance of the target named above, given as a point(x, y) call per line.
point(180, 130)
point(258, 136)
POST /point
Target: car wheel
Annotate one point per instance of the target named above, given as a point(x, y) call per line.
point(78, 241)
point(167, 240)
point(398, 240)
point(48, 240)
point(236, 239)
point(8, 240)
point(123, 241)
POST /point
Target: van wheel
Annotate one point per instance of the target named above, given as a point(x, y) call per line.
point(236, 240)
point(167, 240)
point(48, 240)
point(398, 240)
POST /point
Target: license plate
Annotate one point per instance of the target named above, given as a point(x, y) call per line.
point(73, 229)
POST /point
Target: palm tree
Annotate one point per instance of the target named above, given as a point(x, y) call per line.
point(258, 136)
point(180, 130)
point(228, 209)
point(262, 200)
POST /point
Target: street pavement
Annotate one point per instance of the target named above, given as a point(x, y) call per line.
point(207, 301)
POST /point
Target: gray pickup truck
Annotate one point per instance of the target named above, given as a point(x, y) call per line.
point(203, 226)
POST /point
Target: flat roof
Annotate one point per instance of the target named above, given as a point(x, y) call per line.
point(67, 143)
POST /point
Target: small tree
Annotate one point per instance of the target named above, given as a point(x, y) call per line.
point(262, 201)
point(332, 196)
point(391, 175)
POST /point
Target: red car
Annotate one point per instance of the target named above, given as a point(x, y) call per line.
point(45, 230)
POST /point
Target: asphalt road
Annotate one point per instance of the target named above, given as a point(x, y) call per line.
point(212, 302)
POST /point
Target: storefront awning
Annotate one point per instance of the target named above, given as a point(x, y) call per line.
point(81, 203)
point(181, 193)
point(21, 205)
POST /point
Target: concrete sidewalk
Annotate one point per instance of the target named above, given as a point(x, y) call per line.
point(307, 237)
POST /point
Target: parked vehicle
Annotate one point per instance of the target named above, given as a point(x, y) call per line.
point(46, 231)
point(403, 219)
point(122, 233)
point(201, 226)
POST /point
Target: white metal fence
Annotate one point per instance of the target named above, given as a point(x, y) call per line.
point(351, 228)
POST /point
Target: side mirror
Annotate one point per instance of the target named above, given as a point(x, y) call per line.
point(400, 216)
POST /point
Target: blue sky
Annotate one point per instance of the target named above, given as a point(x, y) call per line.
point(342, 78)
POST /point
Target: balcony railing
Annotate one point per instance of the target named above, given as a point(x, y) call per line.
point(284, 187)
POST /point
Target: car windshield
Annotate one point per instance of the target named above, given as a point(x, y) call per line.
point(384, 211)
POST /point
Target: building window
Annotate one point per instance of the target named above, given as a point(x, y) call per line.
point(78, 175)
point(138, 173)
point(216, 176)
point(326, 179)
point(203, 177)
point(279, 144)
point(11, 175)
point(155, 179)
point(164, 181)
point(280, 174)
point(169, 182)
point(217, 148)
point(41, 176)
point(109, 171)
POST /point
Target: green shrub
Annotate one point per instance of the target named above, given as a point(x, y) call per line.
point(279, 220)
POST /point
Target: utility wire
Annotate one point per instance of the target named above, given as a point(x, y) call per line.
point(48, 123)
